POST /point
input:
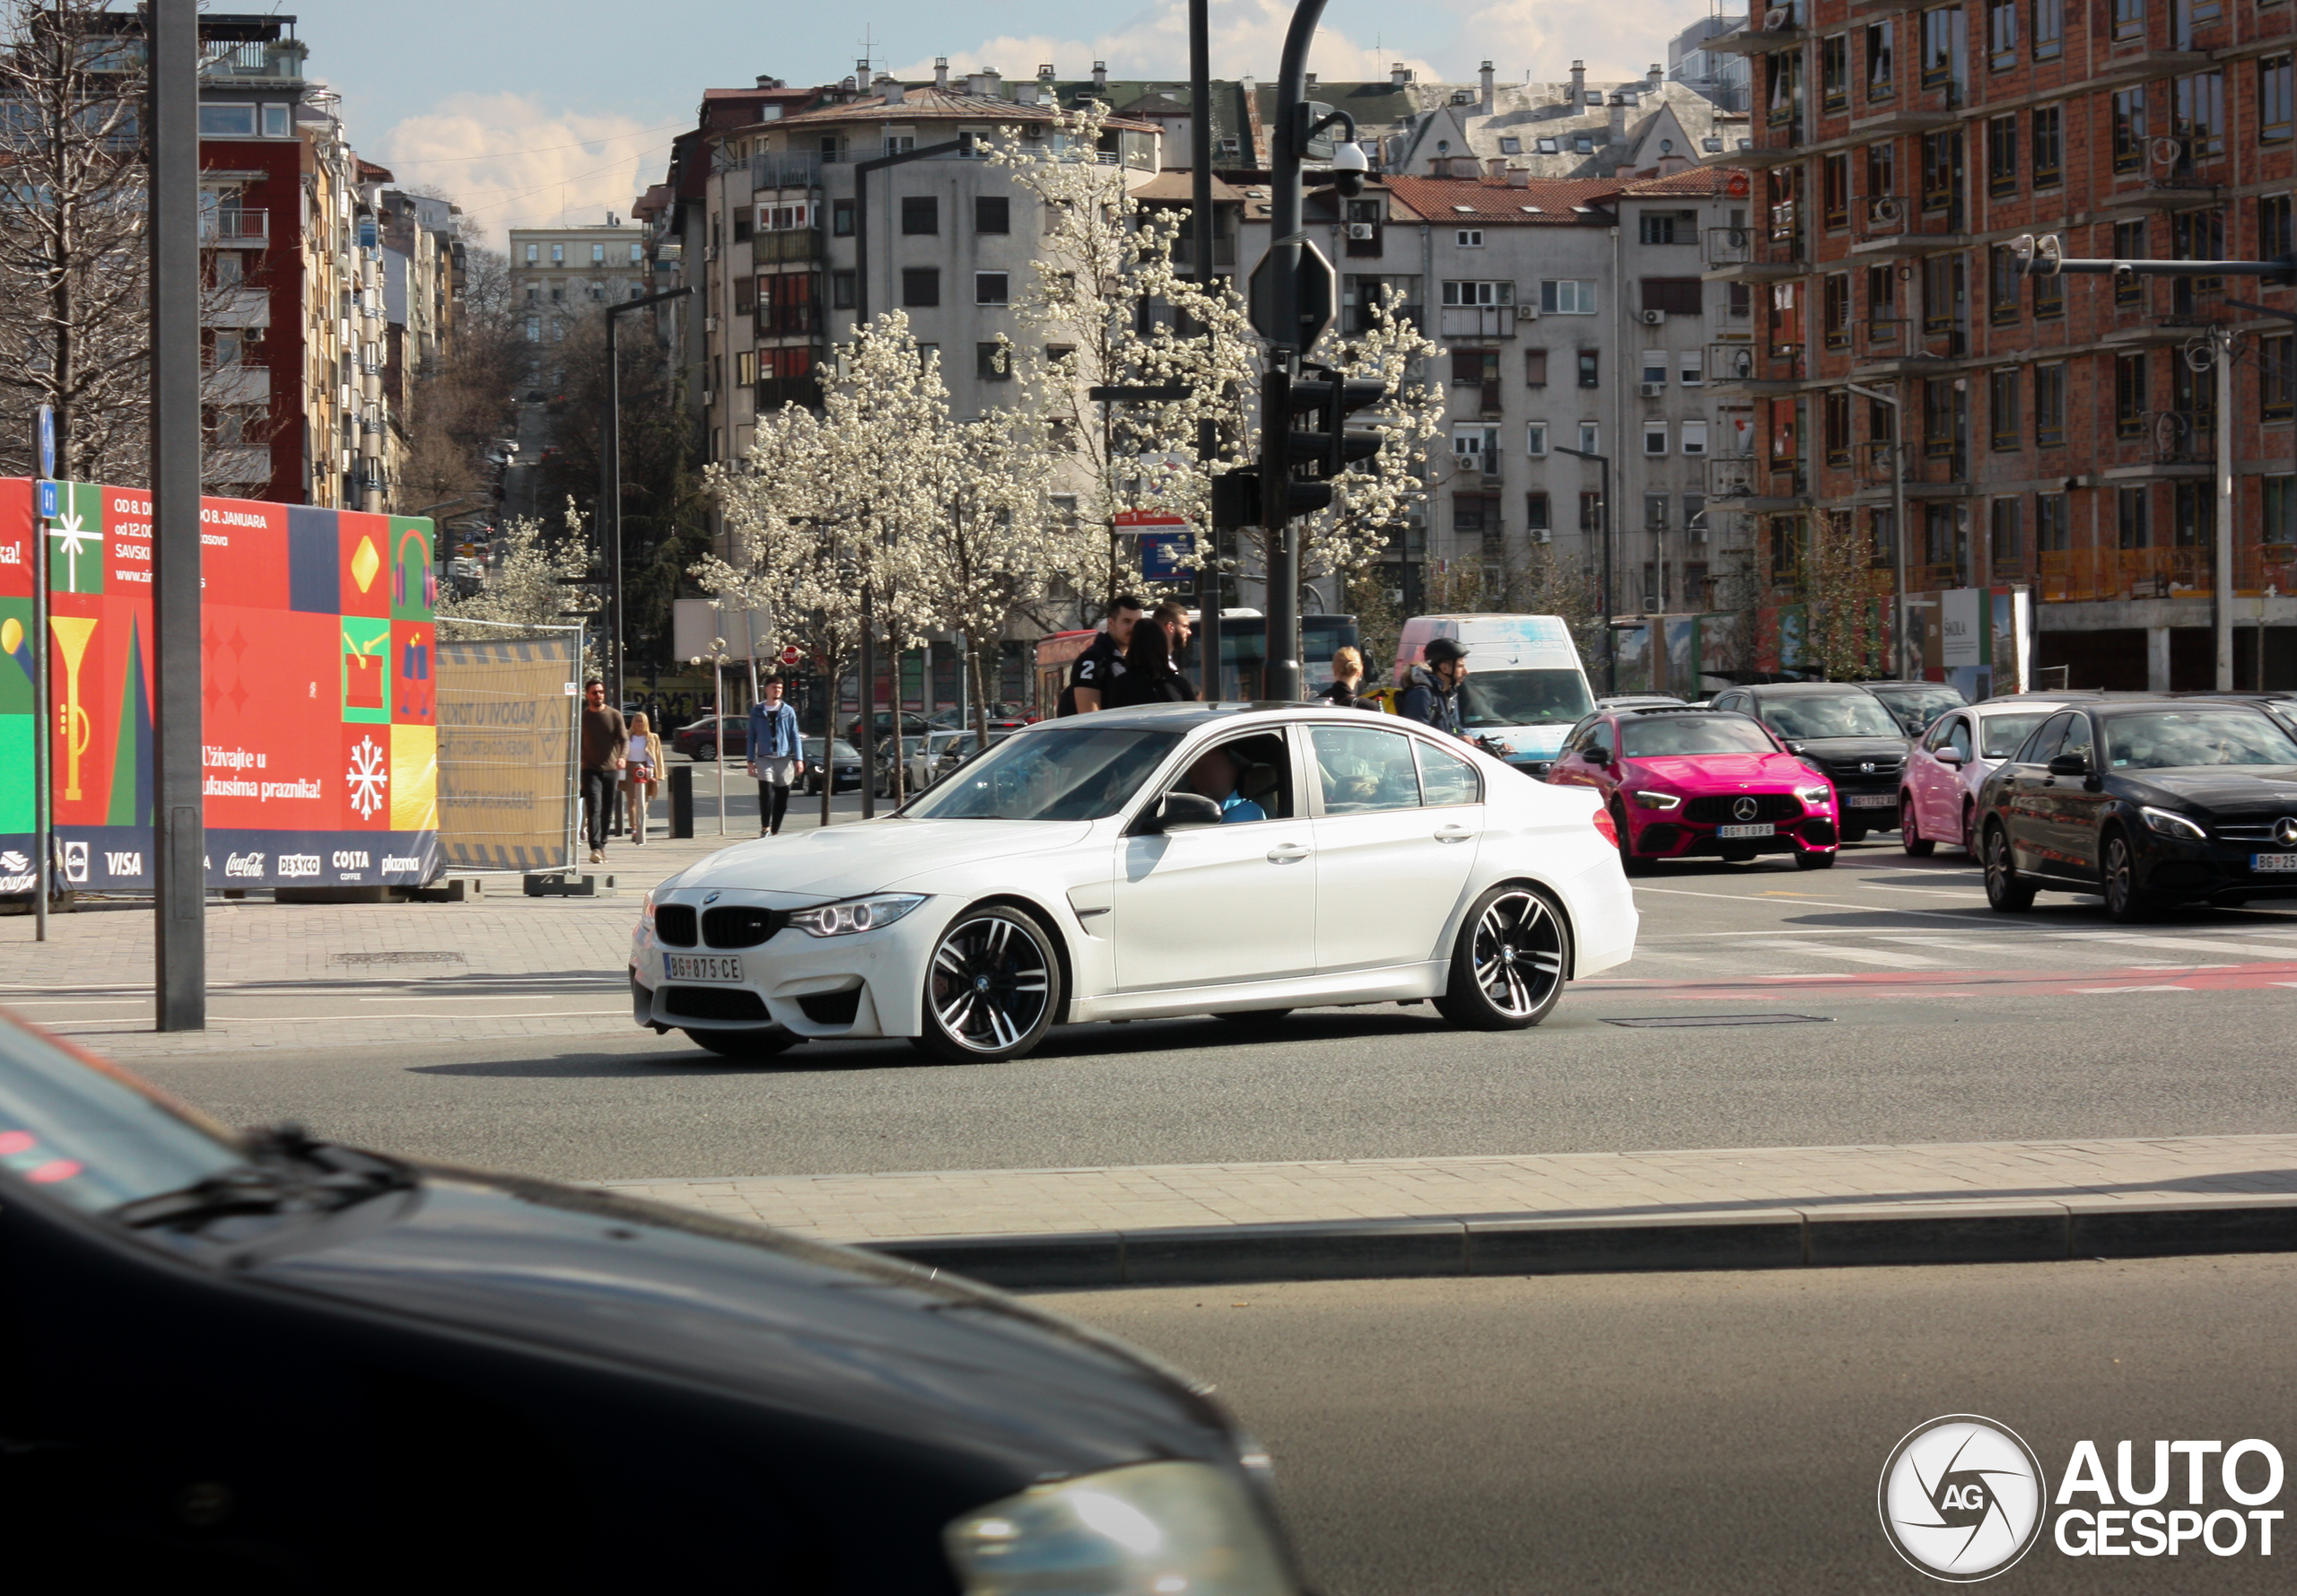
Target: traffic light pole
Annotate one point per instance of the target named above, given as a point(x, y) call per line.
point(1201, 232)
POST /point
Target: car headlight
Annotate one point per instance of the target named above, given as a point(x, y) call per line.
point(1658, 800)
point(1149, 1527)
point(2168, 823)
point(855, 914)
point(1815, 797)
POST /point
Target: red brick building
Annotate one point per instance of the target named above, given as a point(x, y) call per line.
point(2057, 435)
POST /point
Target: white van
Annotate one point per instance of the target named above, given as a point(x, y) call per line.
point(1525, 686)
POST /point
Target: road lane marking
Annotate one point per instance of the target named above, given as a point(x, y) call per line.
point(2192, 945)
point(1861, 955)
point(1927, 892)
point(2132, 989)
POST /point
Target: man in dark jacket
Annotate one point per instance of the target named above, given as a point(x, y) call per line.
point(605, 742)
point(1097, 669)
point(1431, 689)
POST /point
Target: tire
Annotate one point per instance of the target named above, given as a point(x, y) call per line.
point(1737, 856)
point(1508, 964)
point(1852, 834)
point(1255, 1019)
point(752, 1045)
point(1805, 860)
point(706, 753)
point(1910, 837)
point(1629, 860)
point(2125, 905)
point(1970, 829)
point(2006, 891)
point(991, 988)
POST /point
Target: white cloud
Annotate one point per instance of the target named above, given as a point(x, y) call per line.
point(508, 162)
point(1247, 36)
point(1618, 40)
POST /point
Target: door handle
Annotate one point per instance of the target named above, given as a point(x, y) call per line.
point(1284, 853)
point(1454, 833)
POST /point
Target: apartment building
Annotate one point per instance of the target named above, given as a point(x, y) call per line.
point(559, 274)
point(2053, 433)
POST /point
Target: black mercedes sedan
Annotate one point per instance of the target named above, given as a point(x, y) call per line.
point(297, 1366)
point(2147, 804)
point(1842, 730)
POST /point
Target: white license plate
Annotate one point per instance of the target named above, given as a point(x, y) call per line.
point(1874, 800)
point(687, 966)
point(1746, 831)
point(2286, 862)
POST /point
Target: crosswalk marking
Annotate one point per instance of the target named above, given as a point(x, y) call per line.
point(2197, 945)
point(1860, 956)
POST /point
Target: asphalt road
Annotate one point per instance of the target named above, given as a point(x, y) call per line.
point(1939, 1021)
point(1718, 1432)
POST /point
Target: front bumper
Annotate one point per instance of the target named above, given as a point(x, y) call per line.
point(1879, 810)
point(2212, 871)
point(870, 984)
point(1661, 838)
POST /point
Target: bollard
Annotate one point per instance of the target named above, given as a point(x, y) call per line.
point(681, 800)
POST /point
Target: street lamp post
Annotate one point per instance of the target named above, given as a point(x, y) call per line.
point(1901, 633)
point(610, 490)
point(1610, 638)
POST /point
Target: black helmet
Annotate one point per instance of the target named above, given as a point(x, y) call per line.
point(1442, 650)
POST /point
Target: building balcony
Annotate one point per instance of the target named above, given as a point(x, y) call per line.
point(791, 244)
point(1476, 321)
point(1731, 476)
point(238, 227)
point(774, 392)
point(785, 169)
point(238, 307)
point(1903, 119)
point(2076, 575)
point(238, 384)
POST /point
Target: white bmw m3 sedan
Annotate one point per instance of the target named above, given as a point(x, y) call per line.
point(1187, 859)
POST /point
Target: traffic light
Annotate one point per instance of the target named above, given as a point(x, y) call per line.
point(1306, 442)
point(1336, 396)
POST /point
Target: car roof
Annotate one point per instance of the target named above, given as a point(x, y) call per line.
point(1182, 717)
point(1663, 711)
point(1812, 689)
point(2124, 706)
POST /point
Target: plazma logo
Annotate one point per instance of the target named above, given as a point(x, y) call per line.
point(1961, 1498)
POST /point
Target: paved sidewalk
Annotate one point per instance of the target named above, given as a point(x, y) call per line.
point(1575, 1186)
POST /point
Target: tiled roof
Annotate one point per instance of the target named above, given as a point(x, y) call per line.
point(1698, 181)
point(1543, 202)
point(932, 104)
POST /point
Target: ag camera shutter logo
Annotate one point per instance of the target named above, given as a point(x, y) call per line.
point(1961, 1498)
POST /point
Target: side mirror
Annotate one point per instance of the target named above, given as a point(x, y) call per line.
point(1594, 756)
point(1181, 811)
point(1947, 756)
point(2069, 764)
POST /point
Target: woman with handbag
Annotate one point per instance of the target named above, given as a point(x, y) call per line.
point(642, 773)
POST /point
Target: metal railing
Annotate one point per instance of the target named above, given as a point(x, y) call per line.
point(1477, 321)
point(234, 227)
point(1729, 246)
point(795, 243)
point(2179, 437)
point(1730, 363)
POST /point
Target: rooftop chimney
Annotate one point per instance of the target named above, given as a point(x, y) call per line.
point(1495, 168)
point(976, 84)
point(1100, 75)
point(1399, 75)
point(1579, 86)
point(888, 89)
point(941, 73)
point(1487, 74)
point(1619, 119)
point(1519, 177)
point(1657, 75)
point(1311, 80)
point(1045, 72)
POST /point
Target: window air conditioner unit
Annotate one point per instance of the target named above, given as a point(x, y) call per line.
point(1542, 534)
point(1654, 317)
point(1655, 390)
point(710, 324)
point(1696, 536)
point(1361, 230)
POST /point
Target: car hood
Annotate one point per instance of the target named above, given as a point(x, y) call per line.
point(2218, 788)
point(1712, 773)
point(812, 1333)
point(870, 854)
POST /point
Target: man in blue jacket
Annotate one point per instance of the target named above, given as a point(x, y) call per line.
point(777, 754)
point(1431, 689)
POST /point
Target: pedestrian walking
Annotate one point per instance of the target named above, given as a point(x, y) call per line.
point(1151, 674)
point(1346, 678)
point(1102, 665)
point(605, 742)
point(777, 754)
point(1431, 689)
point(641, 775)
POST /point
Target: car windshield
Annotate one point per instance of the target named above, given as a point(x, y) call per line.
point(1069, 773)
point(1916, 707)
point(93, 1139)
point(1829, 715)
point(2001, 734)
point(2181, 739)
point(1689, 734)
point(1524, 698)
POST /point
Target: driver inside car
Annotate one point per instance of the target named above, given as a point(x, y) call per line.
point(1214, 776)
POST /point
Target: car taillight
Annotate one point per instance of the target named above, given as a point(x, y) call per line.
point(1603, 824)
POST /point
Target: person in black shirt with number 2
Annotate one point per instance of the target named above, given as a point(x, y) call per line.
point(1099, 666)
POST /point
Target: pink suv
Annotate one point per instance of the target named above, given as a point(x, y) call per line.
point(1684, 783)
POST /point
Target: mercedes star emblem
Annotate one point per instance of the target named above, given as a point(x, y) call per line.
point(2284, 830)
point(1744, 809)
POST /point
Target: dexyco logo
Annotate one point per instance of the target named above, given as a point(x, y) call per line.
point(1961, 1498)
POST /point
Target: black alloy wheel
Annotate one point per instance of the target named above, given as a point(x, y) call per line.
point(2124, 903)
point(992, 988)
point(1910, 837)
point(2006, 891)
point(706, 753)
point(1508, 964)
point(1806, 858)
point(744, 1044)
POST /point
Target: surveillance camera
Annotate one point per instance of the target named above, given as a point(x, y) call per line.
point(1348, 169)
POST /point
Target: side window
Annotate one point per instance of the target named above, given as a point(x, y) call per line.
point(1959, 737)
point(1604, 741)
point(2077, 736)
point(1938, 737)
point(1446, 778)
point(1257, 770)
point(2043, 745)
point(1579, 736)
point(1362, 770)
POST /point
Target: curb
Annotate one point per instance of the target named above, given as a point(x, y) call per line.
point(1843, 1235)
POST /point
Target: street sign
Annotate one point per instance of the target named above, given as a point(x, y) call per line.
point(790, 655)
point(46, 443)
point(1167, 557)
point(51, 500)
point(1319, 291)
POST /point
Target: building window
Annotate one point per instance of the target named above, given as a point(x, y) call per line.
point(1881, 170)
point(2130, 244)
point(534, 254)
point(840, 291)
point(1567, 297)
point(2129, 130)
point(1591, 437)
point(841, 218)
point(1468, 237)
point(1834, 427)
point(597, 254)
point(1668, 227)
point(1537, 516)
point(2279, 509)
point(1834, 190)
point(2130, 396)
point(920, 215)
point(227, 121)
point(2049, 147)
point(1690, 368)
point(1480, 293)
point(920, 286)
point(2278, 376)
point(1654, 368)
point(745, 295)
point(2195, 510)
point(558, 255)
point(1881, 68)
point(1536, 368)
point(2274, 101)
point(1882, 321)
point(1654, 517)
point(1785, 76)
point(1475, 368)
point(2002, 403)
point(2009, 550)
point(1591, 368)
point(2274, 237)
point(1882, 539)
point(992, 213)
point(2002, 158)
point(2003, 307)
point(1942, 407)
point(1941, 59)
point(2129, 19)
point(1834, 72)
point(2133, 523)
point(746, 368)
point(1836, 313)
point(2049, 30)
point(534, 329)
point(2198, 114)
point(1942, 294)
point(1654, 437)
point(1694, 438)
point(1475, 512)
point(2049, 298)
point(989, 288)
point(2001, 34)
point(993, 363)
point(2196, 235)
point(1536, 438)
point(1675, 296)
point(1942, 169)
point(2052, 526)
point(2049, 406)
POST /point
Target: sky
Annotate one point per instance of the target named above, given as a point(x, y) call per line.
point(528, 113)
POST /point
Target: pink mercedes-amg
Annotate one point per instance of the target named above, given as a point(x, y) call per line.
point(1681, 782)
